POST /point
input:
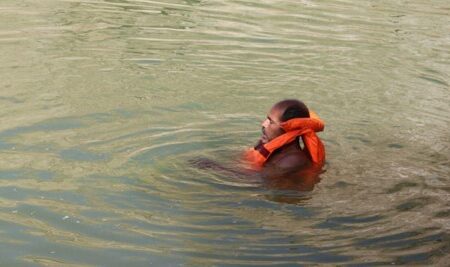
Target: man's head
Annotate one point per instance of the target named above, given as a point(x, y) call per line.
point(279, 113)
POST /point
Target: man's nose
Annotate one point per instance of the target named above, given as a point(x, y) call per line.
point(265, 123)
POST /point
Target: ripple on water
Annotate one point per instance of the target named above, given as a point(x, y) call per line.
point(112, 111)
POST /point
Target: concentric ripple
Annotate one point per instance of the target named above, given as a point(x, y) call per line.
point(123, 124)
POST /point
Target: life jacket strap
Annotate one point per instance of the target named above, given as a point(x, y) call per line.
point(262, 150)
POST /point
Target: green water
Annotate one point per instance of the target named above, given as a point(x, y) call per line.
point(105, 103)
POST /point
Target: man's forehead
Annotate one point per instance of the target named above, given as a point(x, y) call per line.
point(275, 113)
point(278, 109)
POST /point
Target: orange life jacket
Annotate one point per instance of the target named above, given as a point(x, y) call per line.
point(304, 127)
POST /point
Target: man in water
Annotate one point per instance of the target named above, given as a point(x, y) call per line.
point(289, 155)
point(288, 142)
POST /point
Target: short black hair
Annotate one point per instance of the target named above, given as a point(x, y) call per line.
point(294, 109)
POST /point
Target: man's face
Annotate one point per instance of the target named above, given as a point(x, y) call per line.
point(271, 125)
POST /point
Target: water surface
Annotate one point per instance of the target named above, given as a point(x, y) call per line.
point(105, 104)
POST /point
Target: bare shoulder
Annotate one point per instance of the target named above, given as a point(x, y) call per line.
point(289, 161)
point(293, 160)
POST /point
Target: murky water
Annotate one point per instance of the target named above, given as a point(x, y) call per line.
point(105, 103)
